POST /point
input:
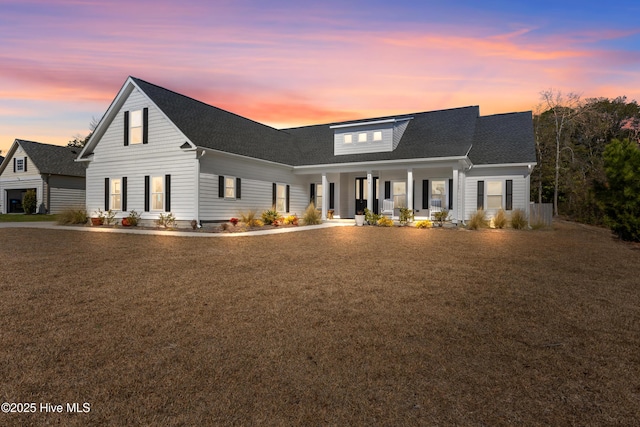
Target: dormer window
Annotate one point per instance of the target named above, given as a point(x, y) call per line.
point(362, 137)
point(377, 135)
point(348, 138)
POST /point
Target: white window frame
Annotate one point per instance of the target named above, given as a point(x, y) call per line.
point(230, 190)
point(281, 200)
point(362, 137)
point(153, 194)
point(493, 194)
point(395, 196)
point(318, 201)
point(377, 135)
point(136, 123)
point(348, 138)
point(19, 165)
point(444, 192)
point(115, 194)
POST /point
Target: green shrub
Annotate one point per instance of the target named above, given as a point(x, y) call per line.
point(312, 216)
point(291, 220)
point(166, 221)
point(478, 220)
point(406, 216)
point(271, 217)
point(425, 223)
point(249, 218)
point(109, 217)
point(30, 202)
point(441, 216)
point(73, 216)
point(370, 217)
point(519, 219)
point(385, 221)
point(133, 218)
point(500, 219)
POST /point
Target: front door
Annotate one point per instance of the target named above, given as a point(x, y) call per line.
point(362, 194)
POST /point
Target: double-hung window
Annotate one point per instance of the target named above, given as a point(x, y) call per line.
point(157, 193)
point(116, 195)
point(281, 197)
point(20, 165)
point(318, 201)
point(399, 194)
point(494, 194)
point(135, 127)
point(438, 194)
point(229, 187)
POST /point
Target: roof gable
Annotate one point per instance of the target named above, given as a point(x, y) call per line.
point(48, 158)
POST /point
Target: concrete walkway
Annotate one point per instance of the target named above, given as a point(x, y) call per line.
point(133, 230)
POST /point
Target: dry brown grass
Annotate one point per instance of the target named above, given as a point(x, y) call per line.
point(345, 326)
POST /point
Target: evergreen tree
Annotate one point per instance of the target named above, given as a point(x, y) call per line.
point(620, 196)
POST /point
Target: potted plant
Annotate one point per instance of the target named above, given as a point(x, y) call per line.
point(360, 218)
point(125, 222)
point(99, 218)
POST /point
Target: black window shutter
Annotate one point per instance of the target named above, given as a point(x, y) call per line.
point(146, 193)
point(106, 194)
point(425, 194)
point(220, 186)
point(509, 201)
point(332, 193)
point(126, 128)
point(25, 164)
point(14, 165)
point(167, 193)
point(145, 126)
point(287, 201)
point(124, 193)
point(387, 189)
point(450, 194)
point(238, 186)
point(480, 195)
point(274, 188)
point(312, 193)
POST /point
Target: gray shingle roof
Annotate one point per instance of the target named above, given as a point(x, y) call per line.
point(503, 138)
point(53, 159)
point(211, 127)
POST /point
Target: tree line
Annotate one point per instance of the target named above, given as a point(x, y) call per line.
point(582, 145)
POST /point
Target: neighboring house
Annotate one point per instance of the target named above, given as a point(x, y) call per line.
point(156, 151)
point(50, 170)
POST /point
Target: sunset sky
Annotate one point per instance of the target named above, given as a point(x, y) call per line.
point(288, 63)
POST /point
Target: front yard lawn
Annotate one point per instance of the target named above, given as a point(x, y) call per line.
point(342, 326)
point(27, 218)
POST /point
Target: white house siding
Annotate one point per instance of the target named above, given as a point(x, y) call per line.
point(519, 175)
point(66, 198)
point(370, 146)
point(161, 156)
point(10, 180)
point(257, 180)
point(398, 131)
point(25, 182)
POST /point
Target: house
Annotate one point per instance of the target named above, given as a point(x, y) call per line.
point(50, 170)
point(157, 151)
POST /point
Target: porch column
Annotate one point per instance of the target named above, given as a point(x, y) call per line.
point(410, 189)
point(325, 195)
point(454, 197)
point(370, 194)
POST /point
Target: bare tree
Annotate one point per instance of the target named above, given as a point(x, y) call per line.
point(563, 108)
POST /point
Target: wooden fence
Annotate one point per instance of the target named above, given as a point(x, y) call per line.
point(541, 213)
